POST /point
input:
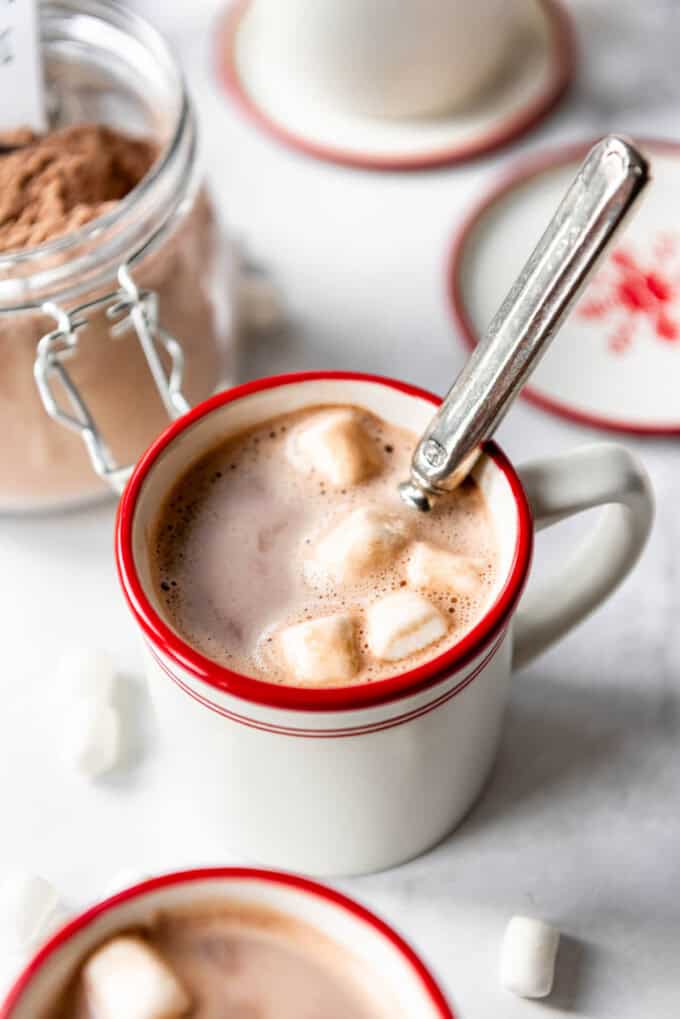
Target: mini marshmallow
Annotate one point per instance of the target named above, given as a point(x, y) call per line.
point(528, 957)
point(122, 879)
point(321, 650)
point(29, 907)
point(438, 570)
point(335, 444)
point(365, 541)
point(86, 672)
point(128, 978)
point(91, 737)
point(401, 624)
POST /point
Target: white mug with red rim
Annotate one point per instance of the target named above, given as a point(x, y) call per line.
point(385, 58)
point(359, 778)
point(396, 966)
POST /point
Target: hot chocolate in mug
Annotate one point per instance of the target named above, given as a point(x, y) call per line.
point(357, 778)
point(389, 966)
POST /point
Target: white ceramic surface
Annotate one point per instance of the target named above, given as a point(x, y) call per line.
point(530, 79)
point(330, 782)
point(616, 362)
point(398, 972)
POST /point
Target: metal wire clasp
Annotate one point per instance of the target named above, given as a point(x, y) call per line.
point(130, 308)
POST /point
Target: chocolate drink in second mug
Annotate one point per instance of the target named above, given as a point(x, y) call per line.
point(209, 963)
point(285, 554)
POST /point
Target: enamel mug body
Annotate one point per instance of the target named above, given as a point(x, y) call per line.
point(360, 778)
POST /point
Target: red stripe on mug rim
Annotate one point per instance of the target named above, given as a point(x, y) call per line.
point(340, 733)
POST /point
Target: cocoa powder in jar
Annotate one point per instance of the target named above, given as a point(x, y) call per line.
point(48, 189)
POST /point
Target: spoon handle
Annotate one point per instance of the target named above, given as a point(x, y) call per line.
point(604, 190)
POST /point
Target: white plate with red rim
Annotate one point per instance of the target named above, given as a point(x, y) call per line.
point(523, 97)
point(616, 362)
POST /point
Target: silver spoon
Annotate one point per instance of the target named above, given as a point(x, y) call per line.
point(605, 189)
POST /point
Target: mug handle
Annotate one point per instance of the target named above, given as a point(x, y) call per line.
point(604, 474)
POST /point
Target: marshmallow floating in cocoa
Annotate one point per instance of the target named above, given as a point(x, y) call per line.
point(321, 650)
point(436, 569)
point(402, 624)
point(367, 540)
point(528, 956)
point(336, 445)
point(127, 977)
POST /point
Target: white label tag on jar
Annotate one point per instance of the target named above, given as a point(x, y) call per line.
point(22, 90)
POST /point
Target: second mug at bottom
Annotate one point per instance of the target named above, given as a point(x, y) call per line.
point(398, 980)
point(358, 778)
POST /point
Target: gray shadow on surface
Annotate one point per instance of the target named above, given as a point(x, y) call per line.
point(559, 737)
point(570, 975)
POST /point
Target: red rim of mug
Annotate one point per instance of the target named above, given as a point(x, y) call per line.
point(258, 691)
point(308, 887)
point(523, 173)
point(564, 59)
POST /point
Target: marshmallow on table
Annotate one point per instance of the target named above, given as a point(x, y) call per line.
point(528, 957)
point(29, 910)
point(91, 730)
point(86, 672)
point(91, 736)
point(321, 650)
point(126, 978)
point(367, 540)
point(335, 444)
point(437, 569)
point(403, 623)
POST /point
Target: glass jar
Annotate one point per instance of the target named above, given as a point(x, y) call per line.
point(125, 322)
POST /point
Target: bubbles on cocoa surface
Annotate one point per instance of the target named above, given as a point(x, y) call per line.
point(461, 526)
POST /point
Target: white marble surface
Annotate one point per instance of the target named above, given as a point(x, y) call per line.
point(580, 822)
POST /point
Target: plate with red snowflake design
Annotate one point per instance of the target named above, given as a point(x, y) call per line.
point(616, 361)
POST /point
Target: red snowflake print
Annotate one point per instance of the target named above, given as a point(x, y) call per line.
point(628, 291)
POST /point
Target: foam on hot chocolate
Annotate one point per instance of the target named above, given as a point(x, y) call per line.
point(212, 962)
point(256, 539)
